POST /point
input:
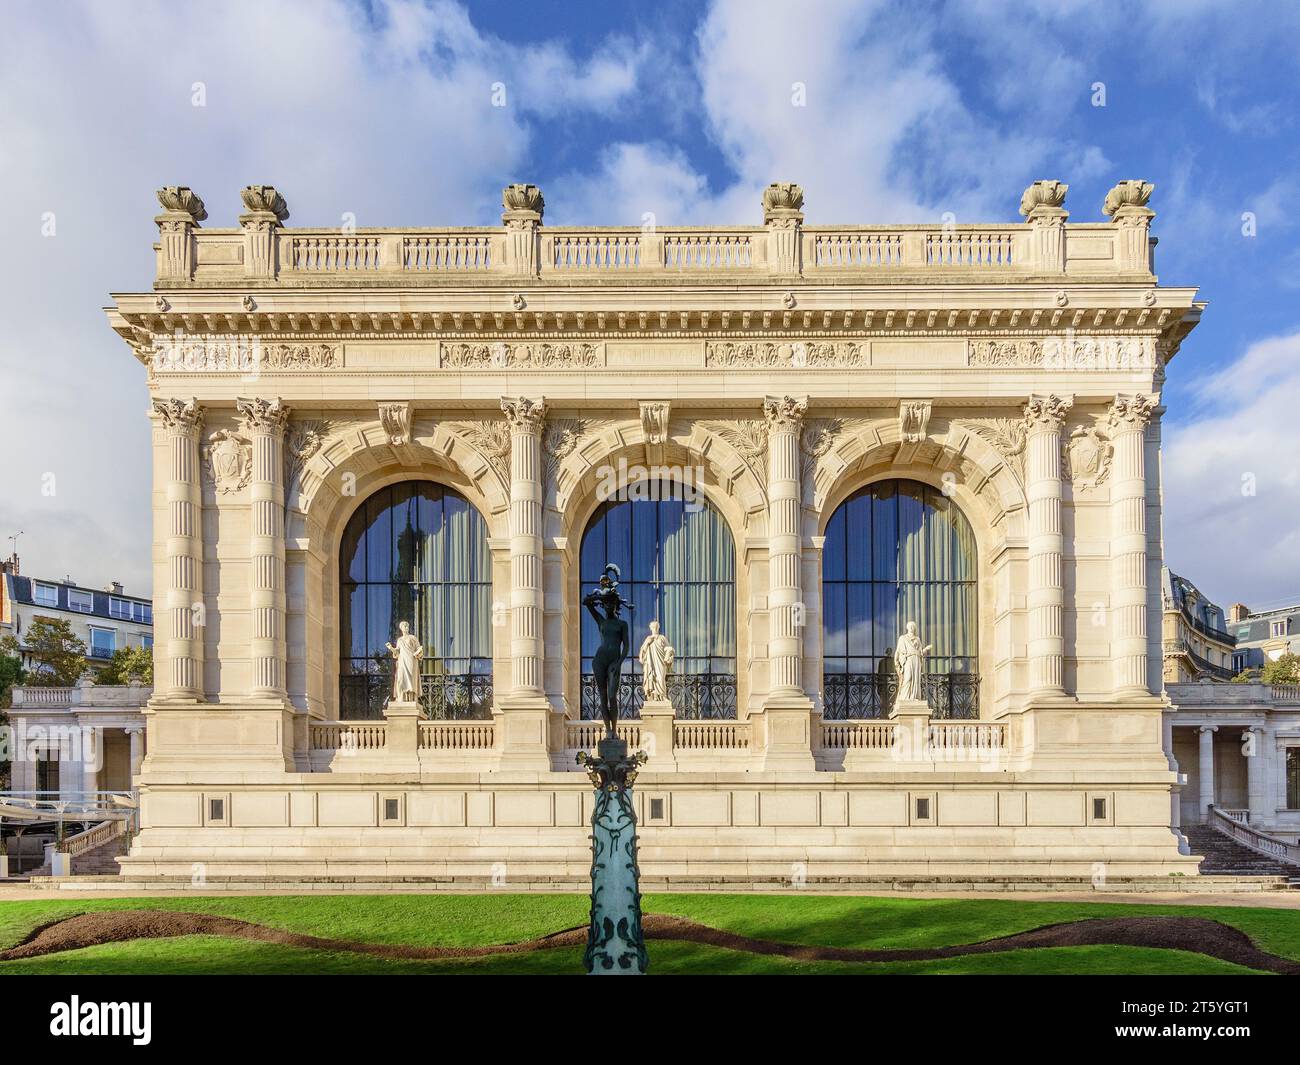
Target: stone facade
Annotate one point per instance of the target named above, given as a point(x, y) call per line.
point(1015, 368)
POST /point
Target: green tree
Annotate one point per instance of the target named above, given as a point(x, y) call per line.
point(1282, 670)
point(58, 655)
point(128, 664)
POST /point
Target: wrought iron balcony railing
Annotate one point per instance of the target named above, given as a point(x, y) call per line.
point(846, 696)
point(443, 697)
point(695, 696)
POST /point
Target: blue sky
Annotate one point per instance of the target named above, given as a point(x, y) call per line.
point(684, 109)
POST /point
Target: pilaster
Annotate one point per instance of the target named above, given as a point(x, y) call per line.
point(1044, 418)
point(1129, 417)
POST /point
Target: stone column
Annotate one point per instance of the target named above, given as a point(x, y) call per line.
point(526, 721)
point(136, 736)
point(1044, 417)
point(1207, 769)
point(264, 421)
point(1129, 417)
point(785, 724)
point(785, 595)
point(179, 652)
point(1254, 748)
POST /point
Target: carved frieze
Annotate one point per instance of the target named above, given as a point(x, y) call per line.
point(770, 353)
point(1065, 353)
point(239, 355)
point(541, 356)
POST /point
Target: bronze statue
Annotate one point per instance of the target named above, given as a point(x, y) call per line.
point(615, 640)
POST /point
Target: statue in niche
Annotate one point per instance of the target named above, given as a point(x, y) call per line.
point(614, 643)
point(406, 653)
point(909, 661)
point(656, 660)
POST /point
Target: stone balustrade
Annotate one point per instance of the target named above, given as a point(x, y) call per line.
point(27, 697)
point(523, 248)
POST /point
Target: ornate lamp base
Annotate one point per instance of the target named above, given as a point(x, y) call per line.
point(615, 945)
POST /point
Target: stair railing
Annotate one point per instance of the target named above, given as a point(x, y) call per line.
point(1253, 839)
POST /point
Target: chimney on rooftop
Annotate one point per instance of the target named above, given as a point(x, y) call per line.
point(1238, 612)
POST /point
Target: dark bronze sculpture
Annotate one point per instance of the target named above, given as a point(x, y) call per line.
point(615, 643)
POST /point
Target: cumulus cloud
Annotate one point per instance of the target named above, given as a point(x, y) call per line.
point(382, 111)
point(1232, 479)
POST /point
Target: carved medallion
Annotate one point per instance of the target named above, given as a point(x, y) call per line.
point(1086, 457)
point(229, 457)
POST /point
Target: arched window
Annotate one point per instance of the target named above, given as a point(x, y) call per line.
point(678, 564)
point(416, 551)
point(898, 551)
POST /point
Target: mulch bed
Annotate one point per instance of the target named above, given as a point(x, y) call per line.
point(1194, 934)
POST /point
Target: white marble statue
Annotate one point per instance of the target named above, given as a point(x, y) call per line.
point(656, 661)
point(406, 673)
point(909, 660)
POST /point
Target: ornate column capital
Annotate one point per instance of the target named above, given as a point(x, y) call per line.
point(1204, 729)
point(1044, 412)
point(785, 413)
point(183, 416)
point(1133, 410)
point(525, 415)
point(263, 415)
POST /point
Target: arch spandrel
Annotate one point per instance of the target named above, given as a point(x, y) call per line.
point(444, 452)
point(843, 454)
point(730, 481)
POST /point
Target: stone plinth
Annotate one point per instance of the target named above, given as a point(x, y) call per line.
point(657, 734)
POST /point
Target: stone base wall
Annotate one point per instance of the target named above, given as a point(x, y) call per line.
point(523, 827)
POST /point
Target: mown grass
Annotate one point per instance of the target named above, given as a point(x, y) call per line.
point(465, 920)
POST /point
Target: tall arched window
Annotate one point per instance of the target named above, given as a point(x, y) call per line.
point(416, 551)
point(898, 551)
point(678, 564)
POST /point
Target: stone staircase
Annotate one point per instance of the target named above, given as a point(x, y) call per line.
point(97, 861)
point(1221, 856)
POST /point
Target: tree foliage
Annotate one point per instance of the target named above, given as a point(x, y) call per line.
point(128, 664)
point(58, 655)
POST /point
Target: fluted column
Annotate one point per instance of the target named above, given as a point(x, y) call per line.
point(525, 417)
point(1206, 769)
point(181, 677)
point(1044, 417)
point(1130, 415)
point(785, 595)
point(264, 420)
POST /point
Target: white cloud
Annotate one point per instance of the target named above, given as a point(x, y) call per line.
point(390, 118)
point(1234, 544)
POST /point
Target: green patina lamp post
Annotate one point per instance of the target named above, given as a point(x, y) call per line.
point(615, 943)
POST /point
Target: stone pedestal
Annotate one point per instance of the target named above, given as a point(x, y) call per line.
point(911, 719)
point(657, 734)
point(402, 737)
point(784, 726)
point(524, 724)
point(615, 943)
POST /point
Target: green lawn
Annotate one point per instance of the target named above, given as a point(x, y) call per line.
point(462, 920)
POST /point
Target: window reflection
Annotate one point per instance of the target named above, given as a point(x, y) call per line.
point(898, 551)
point(415, 551)
point(678, 565)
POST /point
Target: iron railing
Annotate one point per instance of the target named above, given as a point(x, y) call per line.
point(847, 696)
point(443, 697)
point(695, 696)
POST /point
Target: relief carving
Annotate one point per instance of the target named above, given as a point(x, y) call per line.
point(544, 356)
point(229, 458)
point(1086, 457)
point(766, 353)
